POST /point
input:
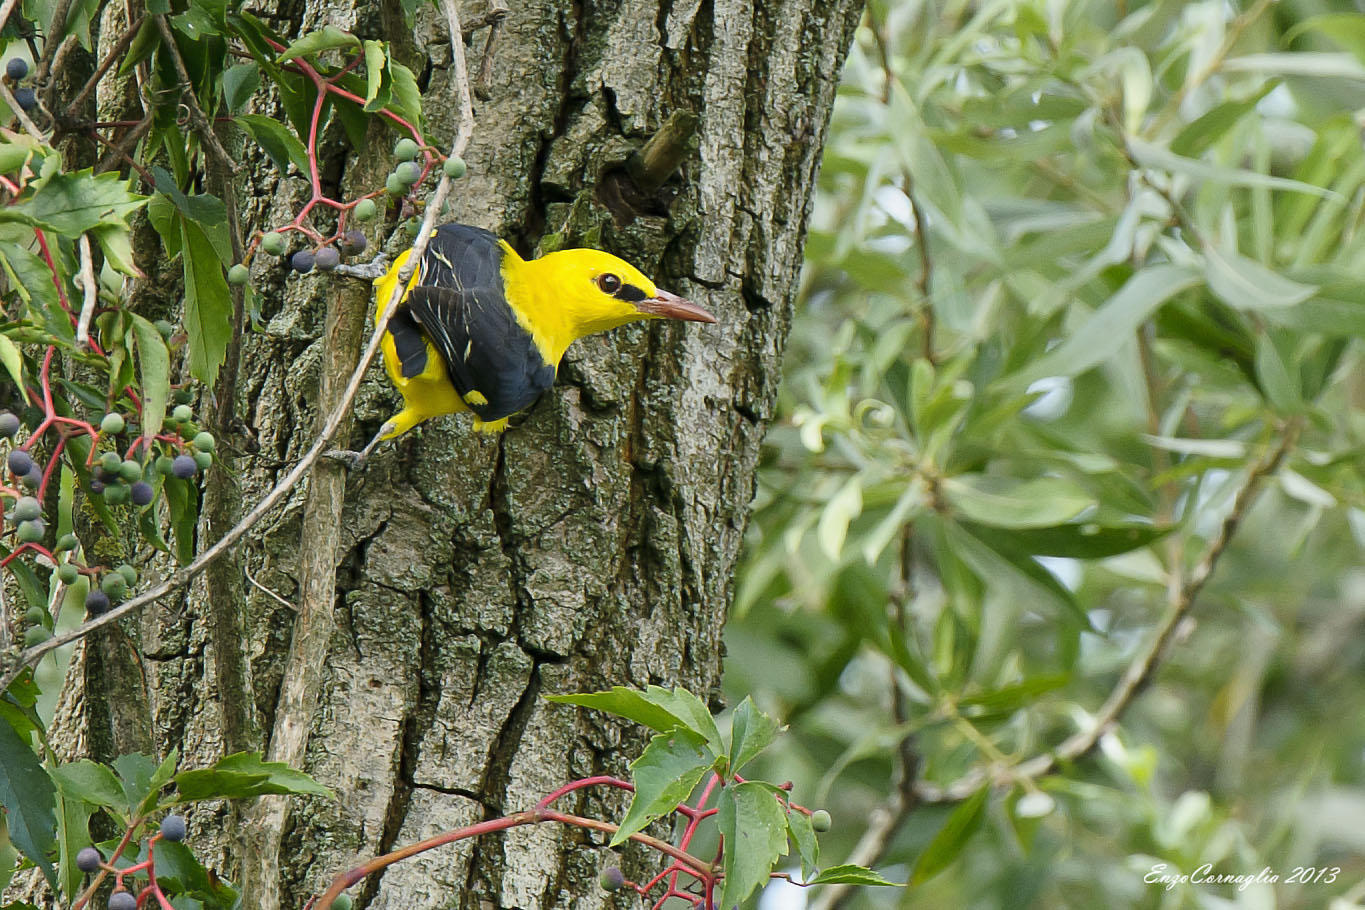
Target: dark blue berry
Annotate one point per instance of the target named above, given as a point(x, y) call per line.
point(173, 827)
point(122, 900)
point(96, 602)
point(142, 493)
point(9, 424)
point(88, 860)
point(184, 467)
point(327, 259)
point(20, 462)
point(16, 68)
point(25, 97)
point(302, 261)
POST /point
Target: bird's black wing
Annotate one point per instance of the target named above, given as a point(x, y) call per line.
point(493, 362)
point(461, 257)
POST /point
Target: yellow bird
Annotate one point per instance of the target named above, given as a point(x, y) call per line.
point(482, 330)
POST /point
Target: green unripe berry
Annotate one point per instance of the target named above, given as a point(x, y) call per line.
point(116, 494)
point(113, 584)
point(164, 463)
point(67, 542)
point(407, 173)
point(182, 413)
point(406, 149)
point(342, 902)
point(130, 471)
point(394, 186)
point(182, 396)
point(412, 227)
point(112, 423)
point(68, 573)
point(203, 459)
point(239, 274)
point(164, 328)
point(611, 879)
point(111, 462)
point(31, 531)
point(820, 820)
point(27, 509)
point(273, 243)
point(35, 635)
point(365, 210)
point(35, 616)
point(204, 442)
point(129, 574)
point(454, 167)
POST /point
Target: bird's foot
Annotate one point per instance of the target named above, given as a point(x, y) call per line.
point(354, 461)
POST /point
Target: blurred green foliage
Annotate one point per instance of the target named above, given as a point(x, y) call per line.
point(1011, 448)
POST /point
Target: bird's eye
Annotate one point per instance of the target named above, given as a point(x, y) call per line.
point(609, 283)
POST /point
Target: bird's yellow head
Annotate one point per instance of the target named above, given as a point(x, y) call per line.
point(596, 291)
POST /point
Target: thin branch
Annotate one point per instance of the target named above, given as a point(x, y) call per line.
point(203, 127)
point(91, 291)
point(1144, 665)
point(58, 25)
point(114, 56)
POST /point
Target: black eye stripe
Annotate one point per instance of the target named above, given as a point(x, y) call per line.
point(631, 294)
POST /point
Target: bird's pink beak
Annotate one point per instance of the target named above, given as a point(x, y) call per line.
point(671, 306)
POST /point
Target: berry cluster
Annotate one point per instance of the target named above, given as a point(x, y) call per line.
point(16, 70)
point(90, 860)
point(326, 254)
point(120, 475)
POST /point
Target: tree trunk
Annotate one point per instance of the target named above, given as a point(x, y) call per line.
point(594, 545)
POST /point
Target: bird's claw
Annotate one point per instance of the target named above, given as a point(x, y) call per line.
point(354, 461)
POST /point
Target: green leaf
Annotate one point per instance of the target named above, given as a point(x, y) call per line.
point(208, 303)
point(1007, 502)
point(72, 204)
point(29, 800)
point(375, 76)
point(664, 774)
point(279, 143)
point(325, 38)
point(1010, 698)
point(407, 97)
point(135, 773)
point(182, 499)
point(948, 844)
point(1154, 156)
point(244, 774)
point(803, 835)
point(1112, 326)
point(1214, 123)
point(12, 359)
point(1245, 284)
point(92, 782)
point(659, 709)
point(154, 367)
point(144, 45)
point(1077, 541)
point(754, 826)
point(240, 82)
point(839, 512)
point(33, 590)
point(850, 874)
point(751, 731)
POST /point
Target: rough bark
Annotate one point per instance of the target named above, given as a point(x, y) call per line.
point(594, 544)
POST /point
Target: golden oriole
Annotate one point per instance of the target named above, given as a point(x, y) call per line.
point(482, 330)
